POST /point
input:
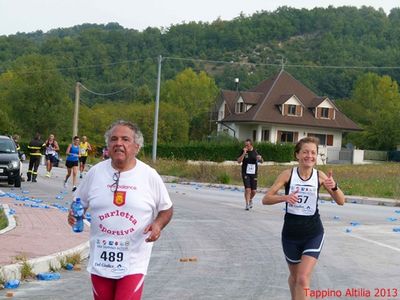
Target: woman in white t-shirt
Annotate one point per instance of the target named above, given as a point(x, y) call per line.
point(302, 233)
point(129, 206)
point(51, 153)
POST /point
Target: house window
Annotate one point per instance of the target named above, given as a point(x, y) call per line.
point(240, 107)
point(254, 135)
point(324, 139)
point(265, 135)
point(324, 112)
point(287, 136)
point(292, 109)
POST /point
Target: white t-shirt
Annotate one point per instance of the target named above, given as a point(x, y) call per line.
point(117, 243)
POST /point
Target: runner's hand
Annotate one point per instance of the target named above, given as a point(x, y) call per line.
point(155, 232)
point(71, 218)
point(329, 182)
point(292, 198)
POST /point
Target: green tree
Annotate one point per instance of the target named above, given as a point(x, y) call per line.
point(37, 96)
point(195, 93)
point(173, 125)
point(144, 94)
point(7, 125)
point(375, 106)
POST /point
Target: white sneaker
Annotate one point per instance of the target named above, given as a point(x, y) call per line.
point(251, 204)
point(65, 184)
point(48, 174)
point(247, 207)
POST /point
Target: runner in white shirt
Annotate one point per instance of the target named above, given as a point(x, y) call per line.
point(129, 206)
point(302, 233)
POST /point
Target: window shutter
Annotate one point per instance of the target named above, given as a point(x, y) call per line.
point(295, 137)
point(225, 110)
point(319, 112)
point(330, 114)
point(298, 110)
point(329, 140)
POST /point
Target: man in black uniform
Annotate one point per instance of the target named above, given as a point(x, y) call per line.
point(35, 152)
point(249, 158)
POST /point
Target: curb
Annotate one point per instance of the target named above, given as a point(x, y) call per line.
point(39, 264)
point(43, 264)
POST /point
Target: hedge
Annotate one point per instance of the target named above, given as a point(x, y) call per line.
point(217, 152)
point(206, 151)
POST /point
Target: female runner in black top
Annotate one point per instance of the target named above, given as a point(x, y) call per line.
point(302, 233)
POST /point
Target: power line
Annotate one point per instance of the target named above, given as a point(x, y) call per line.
point(79, 67)
point(279, 64)
point(218, 62)
point(341, 67)
point(104, 94)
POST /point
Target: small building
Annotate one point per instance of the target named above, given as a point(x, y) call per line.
point(281, 109)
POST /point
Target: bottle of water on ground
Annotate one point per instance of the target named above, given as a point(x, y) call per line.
point(77, 210)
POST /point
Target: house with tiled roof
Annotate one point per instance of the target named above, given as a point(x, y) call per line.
point(281, 109)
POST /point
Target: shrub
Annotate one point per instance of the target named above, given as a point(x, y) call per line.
point(218, 152)
point(26, 268)
point(224, 178)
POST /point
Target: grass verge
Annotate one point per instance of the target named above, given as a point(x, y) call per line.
point(3, 219)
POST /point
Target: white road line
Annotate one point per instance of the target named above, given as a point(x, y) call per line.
point(375, 242)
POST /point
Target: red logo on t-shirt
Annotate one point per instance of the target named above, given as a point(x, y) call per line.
point(119, 198)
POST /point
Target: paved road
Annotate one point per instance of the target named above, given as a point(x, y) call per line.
point(239, 253)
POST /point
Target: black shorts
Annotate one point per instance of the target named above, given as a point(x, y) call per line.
point(294, 249)
point(250, 181)
point(70, 163)
point(51, 158)
point(82, 159)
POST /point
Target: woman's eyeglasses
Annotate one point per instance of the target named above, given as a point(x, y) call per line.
point(114, 186)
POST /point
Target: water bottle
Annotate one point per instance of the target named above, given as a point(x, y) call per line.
point(77, 210)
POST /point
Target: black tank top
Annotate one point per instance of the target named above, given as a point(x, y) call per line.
point(300, 227)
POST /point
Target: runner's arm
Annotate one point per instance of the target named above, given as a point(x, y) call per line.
point(56, 147)
point(272, 197)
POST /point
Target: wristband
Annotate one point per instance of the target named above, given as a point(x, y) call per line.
point(334, 189)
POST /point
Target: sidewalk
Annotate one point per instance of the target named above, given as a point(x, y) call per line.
point(50, 238)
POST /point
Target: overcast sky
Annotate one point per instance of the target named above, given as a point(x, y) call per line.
point(31, 15)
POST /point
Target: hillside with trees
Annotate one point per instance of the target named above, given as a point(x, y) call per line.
point(328, 49)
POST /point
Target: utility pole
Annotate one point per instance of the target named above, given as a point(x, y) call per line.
point(283, 61)
point(76, 110)
point(155, 133)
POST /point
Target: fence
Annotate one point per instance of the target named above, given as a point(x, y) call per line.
point(394, 156)
point(375, 155)
point(346, 154)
